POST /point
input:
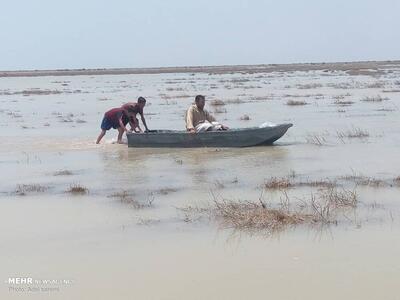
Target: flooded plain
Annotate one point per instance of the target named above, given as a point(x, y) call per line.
point(107, 221)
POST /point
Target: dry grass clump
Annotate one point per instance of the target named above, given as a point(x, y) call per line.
point(126, 197)
point(339, 198)
point(326, 205)
point(255, 216)
point(397, 181)
point(33, 91)
point(340, 100)
point(376, 98)
point(217, 102)
point(315, 139)
point(262, 98)
point(63, 173)
point(375, 85)
point(341, 85)
point(183, 96)
point(245, 118)
point(275, 183)
point(309, 86)
point(166, 191)
point(23, 189)
point(322, 208)
point(341, 97)
point(364, 180)
point(77, 189)
point(385, 109)
point(343, 102)
point(193, 213)
point(239, 80)
point(179, 89)
point(249, 87)
point(318, 183)
point(296, 102)
point(316, 96)
point(373, 182)
point(353, 133)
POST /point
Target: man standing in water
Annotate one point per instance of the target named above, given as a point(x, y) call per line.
point(137, 108)
point(200, 120)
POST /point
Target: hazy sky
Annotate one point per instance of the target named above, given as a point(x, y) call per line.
point(53, 34)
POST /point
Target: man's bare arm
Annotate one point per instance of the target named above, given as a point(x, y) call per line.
point(144, 122)
point(136, 125)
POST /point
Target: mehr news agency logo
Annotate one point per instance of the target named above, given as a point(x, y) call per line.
point(29, 284)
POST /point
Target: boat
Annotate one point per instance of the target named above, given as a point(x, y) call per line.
point(242, 137)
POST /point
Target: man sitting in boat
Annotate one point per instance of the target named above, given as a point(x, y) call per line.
point(200, 120)
point(137, 108)
point(116, 118)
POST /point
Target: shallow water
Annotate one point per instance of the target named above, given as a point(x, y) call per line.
point(110, 249)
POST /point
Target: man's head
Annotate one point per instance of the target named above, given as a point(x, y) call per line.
point(142, 102)
point(200, 101)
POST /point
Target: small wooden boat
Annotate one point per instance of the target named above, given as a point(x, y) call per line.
point(244, 137)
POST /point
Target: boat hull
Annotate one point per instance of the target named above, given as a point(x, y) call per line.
point(246, 137)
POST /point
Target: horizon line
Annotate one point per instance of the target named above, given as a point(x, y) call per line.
point(188, 69)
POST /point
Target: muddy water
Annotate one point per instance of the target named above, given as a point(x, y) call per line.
point(111, 249)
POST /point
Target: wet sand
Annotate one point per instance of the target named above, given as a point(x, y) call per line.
point(346, 129)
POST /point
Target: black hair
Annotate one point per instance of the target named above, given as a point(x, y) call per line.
point(199, 97)
point(141, 100)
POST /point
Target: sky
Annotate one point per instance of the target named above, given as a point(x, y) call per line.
point(59, 34)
